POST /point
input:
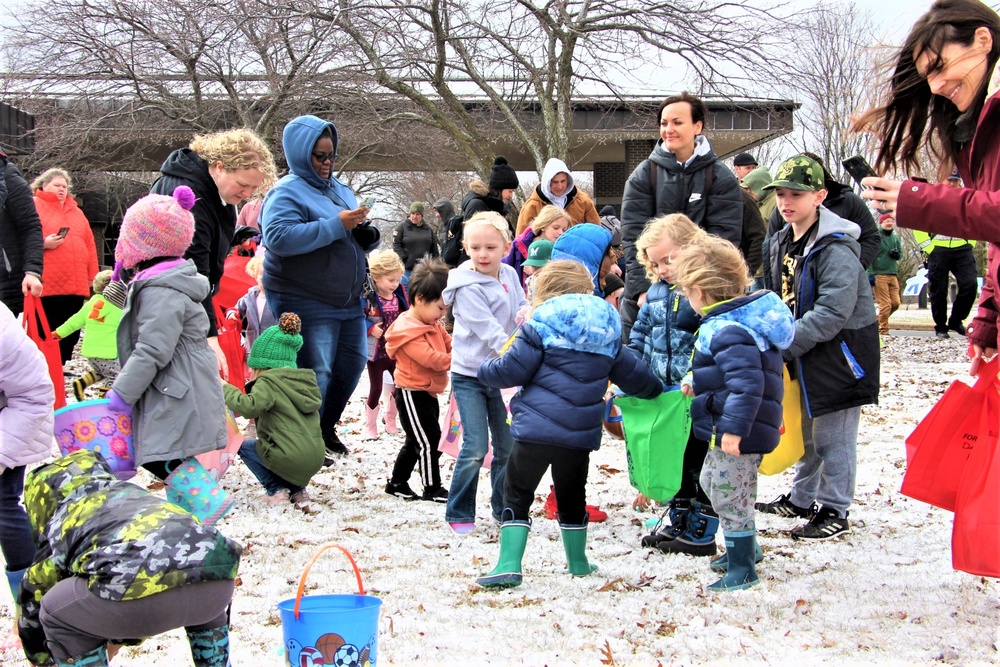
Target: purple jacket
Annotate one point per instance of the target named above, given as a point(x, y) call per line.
point(26, 397)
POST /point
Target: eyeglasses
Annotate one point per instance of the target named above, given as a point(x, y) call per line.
point(325, 157)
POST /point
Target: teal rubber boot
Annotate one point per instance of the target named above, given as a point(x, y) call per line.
point(97, 657)
point(575, 545)
point(14, 581)
point(740, 573)
point(721, 564)
point(513, 540)
point(210, 648)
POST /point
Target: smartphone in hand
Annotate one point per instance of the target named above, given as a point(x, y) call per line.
point(368, 201)
point(63, 232)
point(859, 168)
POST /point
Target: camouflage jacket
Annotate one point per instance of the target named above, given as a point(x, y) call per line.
point(127, 543)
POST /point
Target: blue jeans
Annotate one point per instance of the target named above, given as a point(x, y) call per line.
point(484, 415)
point(15, 533)
point(272, 483)
point(334, 345)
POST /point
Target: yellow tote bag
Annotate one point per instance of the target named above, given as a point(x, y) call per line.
point(790, 448)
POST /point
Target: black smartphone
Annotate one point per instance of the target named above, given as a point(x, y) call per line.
point(63, 232)
point(859, 168)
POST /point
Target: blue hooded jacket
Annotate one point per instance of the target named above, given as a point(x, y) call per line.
point(309, 253)
point(737, 371)
point(563, 358)
point(586, 243)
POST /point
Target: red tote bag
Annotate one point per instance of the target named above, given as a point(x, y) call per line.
point(975, 537)
point(940, 446)
point(36, 325)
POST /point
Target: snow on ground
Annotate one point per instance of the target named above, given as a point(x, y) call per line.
point(886, 594)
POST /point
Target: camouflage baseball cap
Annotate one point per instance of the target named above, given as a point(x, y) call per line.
point(798, 173)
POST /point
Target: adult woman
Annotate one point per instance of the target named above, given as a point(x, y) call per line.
point(316, 240)
point(20, 239)
point(681, 175)
point(222, 169)
point(557, 188)
point(70, 258)
point(942, 96)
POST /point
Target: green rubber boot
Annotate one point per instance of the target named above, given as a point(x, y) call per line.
point(741, 573)
point(721, 564)
point(575, 545)
point(513, 539)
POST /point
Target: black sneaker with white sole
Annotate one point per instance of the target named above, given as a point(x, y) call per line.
point(783, 506)
point(826, 525)
point(437, 494)
point(400, 491)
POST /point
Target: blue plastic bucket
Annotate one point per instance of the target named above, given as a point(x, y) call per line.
point(91, 425)
point(339, 630)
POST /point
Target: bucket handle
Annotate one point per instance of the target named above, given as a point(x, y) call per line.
point(305, 573)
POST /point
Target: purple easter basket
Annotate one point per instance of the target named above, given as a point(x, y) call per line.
point(91, 425)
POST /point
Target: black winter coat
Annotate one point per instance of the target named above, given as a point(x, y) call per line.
point(21, 242)
point(411, 242)
point(214, 221)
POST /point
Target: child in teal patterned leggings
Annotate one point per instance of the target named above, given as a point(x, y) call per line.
point(736, 381)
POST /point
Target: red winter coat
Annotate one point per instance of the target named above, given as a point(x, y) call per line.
point(70, 268)
point(972, 212)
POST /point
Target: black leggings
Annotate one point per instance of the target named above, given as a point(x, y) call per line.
point(58, 309)
point(527, 464)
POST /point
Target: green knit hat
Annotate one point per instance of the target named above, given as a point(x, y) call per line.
point(279, 345)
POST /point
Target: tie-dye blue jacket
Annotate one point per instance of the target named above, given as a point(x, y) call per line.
point(562, 359)
point(664, 332)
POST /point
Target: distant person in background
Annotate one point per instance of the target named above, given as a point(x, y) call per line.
point(445, 211)
point(496, 196)
point(250, 213)
point(884, 270)
point(412, 239)
point(557, 188)
point(20, 239)
point(756, 180)
point(949, 255)
point(743, 164)
point(70, 252)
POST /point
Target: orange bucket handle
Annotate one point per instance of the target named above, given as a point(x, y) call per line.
point(305, 573)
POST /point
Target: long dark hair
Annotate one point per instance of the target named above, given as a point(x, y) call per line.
point(913, 116)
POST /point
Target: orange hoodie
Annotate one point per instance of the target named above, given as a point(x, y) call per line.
point(422, 353)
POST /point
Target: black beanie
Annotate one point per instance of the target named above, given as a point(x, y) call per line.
point(502, 176)
point(607, 210)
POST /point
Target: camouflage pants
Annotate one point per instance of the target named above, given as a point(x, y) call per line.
point(731, 483)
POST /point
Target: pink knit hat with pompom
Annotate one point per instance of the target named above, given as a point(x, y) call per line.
point(156, 226)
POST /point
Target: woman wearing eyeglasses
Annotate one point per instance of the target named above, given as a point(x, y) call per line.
point(316, 238)
point(222, 169)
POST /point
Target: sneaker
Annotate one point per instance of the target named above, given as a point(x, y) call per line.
point(334, 447)
point(942, 334)
point(825, 525)
point(303, 502)
point(783, 506)
point(400, 491)
point(462, 527)
point(958, 328)
point(437, 494)
point(280, 497)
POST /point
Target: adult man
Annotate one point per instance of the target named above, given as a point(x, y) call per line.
point(557, 188)
point(412, 239)
point(944, 255)
point(743, 164)
point(20, 239)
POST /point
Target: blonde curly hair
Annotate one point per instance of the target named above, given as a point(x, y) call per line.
point(47, 175)
point(558, 277)
point(237, 149)
point(677, 227)
point(713, 265)
point(384, 263)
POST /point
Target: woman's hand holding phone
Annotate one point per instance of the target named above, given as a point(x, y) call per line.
point(884, 192)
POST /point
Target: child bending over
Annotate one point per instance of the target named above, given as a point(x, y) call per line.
point(737, 384)
point(562, 359)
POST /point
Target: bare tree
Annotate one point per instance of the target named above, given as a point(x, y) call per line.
point(513, 55)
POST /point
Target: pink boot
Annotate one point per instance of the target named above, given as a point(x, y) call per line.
point(389, 397)
point(371, 423)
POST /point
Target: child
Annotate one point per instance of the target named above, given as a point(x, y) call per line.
point(421, 348)
point(663, 334)
point(385, 300)
point(884, 270)
point(252, 307)
point(539, 253)
point(115, 563)
point(562, 358)
point(737, 384)
point(99, 320)
point(813, 264)
point(26, 397)
point(549, 225)
point(284, 401)
point(169, 375)
point(487, 296)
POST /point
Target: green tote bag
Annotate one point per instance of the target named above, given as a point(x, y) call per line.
point(656, 433)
